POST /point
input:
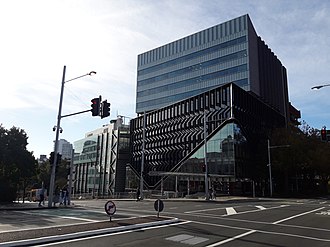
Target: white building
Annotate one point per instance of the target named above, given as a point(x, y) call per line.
point(100, 160)
point(65, 149)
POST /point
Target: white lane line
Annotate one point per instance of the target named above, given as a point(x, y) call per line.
point(230, 211)
point(203, 210)
point(257, 210)
point(295, 236)
point(244, 212)
point(261, 207)
point(76, 218)
point(262, 231)
point(260, 223)
point(298, 215)
point(231, 239)
point(63, 217)
point(113, 234)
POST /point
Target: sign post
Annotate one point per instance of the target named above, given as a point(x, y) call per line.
point(159, 206)
point(110, 208)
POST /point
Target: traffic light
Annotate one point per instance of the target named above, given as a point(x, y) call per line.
point(51, 158)
point(95, 107)
point(105, 111)
point(59, 158)
point(324, 134)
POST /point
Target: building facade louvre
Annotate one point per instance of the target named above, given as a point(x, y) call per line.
point(236, 124)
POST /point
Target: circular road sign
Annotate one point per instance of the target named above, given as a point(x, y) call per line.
point(110, 208)
point(159, 205)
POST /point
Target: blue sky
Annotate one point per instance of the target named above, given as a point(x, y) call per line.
point(40, 37)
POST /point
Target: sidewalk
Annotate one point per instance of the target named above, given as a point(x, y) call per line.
point(22, 206)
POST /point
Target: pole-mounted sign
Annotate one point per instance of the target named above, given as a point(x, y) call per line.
point(110, 208)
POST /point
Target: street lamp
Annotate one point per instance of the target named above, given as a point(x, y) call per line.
point(320, 86)
point(270, 165)
point(58, 128)
point(207, 194)
point(143, 154)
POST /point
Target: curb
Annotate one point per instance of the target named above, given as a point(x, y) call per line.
point(65, 237)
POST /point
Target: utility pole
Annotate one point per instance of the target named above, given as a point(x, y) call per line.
point(143, 153)
point(270, 165)
point(58, 126)
point(270, 171)
point(58, 129)
point(207, 196)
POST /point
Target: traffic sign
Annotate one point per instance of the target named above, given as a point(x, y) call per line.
point(110, 208)
point(159, 206)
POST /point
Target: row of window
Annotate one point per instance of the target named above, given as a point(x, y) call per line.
point(231, 28)
point(193, 68)
point(191, 56)
point(182, 84)
point(192, 81)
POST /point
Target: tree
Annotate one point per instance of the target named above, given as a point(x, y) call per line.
point(17, 164)
point(303, 168)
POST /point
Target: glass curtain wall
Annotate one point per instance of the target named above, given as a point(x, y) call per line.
point(85, 157)
point(221, 157)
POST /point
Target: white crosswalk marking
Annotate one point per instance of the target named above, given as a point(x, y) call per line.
point(231, 211)
point(187, 239)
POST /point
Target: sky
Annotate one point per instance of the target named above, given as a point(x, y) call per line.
point(40, 37)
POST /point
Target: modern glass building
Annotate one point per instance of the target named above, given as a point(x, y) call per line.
point(232, 122)
point(100, 160)
point(225, 53)
point(206, 106)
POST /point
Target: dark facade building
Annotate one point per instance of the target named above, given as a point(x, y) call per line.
point(233, 122)
point(228, 52)
point(222, 87)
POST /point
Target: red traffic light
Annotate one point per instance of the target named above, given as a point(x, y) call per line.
point(95, 107)
point(323, 134)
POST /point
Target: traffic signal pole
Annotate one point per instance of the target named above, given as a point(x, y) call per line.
point(52, 176)
point(207, 193)
point(76, 113)
point(58, 128)
point(143, 154)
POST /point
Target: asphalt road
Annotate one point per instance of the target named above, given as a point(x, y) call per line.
point(221, 223)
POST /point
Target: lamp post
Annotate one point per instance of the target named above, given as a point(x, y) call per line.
point(320, 86)
point(143, 153)
point(270, 165)
point(207, 194)
point(58, 128)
